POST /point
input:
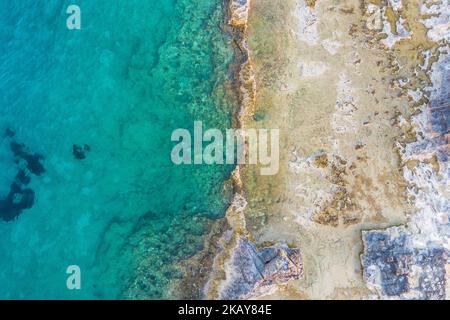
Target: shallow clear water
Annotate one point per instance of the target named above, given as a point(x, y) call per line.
point(125, 214)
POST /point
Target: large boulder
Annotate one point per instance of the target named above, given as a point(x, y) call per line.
point(251, 272)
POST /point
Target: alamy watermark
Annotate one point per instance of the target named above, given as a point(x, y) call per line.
point(73, 21)
point(74, 279)
point(233, 146)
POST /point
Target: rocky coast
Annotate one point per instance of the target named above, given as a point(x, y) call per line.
point(359, 210)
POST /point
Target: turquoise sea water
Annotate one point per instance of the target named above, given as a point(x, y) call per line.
point(116, 89)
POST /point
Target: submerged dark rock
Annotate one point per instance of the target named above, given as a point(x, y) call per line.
point(33, 160)
point(18, 199)
point(79, 152)
point(22, 177)
point(9, 133)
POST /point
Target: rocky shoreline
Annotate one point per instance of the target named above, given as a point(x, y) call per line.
point(230, 266)
point(360, 207)
point(240, 270)
point(360, 89)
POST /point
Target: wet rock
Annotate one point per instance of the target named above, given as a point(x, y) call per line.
point(251, 271)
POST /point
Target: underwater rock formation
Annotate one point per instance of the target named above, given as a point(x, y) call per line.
point(33, 161)
point(79, 152)
point(17, 200)
point(20, 197)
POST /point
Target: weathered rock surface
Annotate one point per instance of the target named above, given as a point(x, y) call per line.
point(396, 268)
point(239, 12)
point(251, 272)
point(412, 262)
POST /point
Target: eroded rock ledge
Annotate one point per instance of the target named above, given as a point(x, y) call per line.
point(252, 272)
point(240, 270)
point(396, 268)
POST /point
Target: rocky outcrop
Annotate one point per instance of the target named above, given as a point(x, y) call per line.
point(239, 12)
point(248, 272)
point(395, 267)
point(412, 261)
point(252, 272)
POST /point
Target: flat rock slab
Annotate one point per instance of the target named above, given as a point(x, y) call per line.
point(396, 269)
point(254, 270)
